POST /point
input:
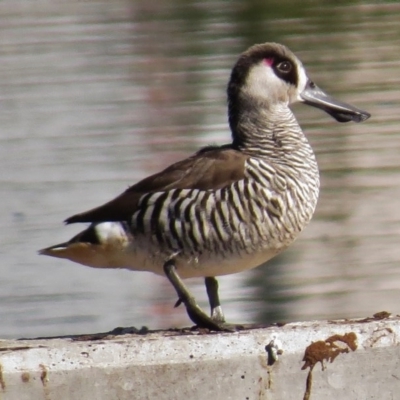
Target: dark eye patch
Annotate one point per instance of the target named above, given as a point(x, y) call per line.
point(285, 69)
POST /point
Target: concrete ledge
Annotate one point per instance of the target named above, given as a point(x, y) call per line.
point(320, 360)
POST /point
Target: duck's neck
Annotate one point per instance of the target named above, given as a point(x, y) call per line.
point(270, 131)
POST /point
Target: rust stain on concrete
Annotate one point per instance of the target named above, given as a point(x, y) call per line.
point(45, 379)
point(326, 350)
point(2, 381)
point(43, 375)
point(25, 377)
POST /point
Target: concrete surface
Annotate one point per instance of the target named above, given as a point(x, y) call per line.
point(320, 360)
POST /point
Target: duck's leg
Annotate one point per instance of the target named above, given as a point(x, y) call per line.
point(196, 314)
point(217, 314)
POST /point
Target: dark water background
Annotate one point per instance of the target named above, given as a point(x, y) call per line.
point(96, 95)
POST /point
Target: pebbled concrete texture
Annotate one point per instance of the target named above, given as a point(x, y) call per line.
point(357, 359)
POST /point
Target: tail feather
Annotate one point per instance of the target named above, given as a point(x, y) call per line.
point(88, 236)
point(97, 246)
point(52, 250)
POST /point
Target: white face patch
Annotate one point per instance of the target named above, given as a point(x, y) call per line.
point(262, 83)
point(303, 79)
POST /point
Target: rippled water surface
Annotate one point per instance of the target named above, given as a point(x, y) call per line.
point(96, 95)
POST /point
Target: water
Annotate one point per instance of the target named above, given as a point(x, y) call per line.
point(96, 95)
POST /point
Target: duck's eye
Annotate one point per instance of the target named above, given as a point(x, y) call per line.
point(284, 67)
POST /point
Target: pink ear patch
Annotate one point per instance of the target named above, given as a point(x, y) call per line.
point(268, 61)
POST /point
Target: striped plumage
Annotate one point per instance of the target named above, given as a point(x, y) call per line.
point(265, 210)
point(224, 209)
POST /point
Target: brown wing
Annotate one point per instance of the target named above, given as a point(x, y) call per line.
point(210, 168)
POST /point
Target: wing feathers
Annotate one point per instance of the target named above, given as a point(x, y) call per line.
point(210, 168)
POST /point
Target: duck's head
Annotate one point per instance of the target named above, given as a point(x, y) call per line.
point(270, 74)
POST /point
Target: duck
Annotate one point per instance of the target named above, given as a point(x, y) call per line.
point(224, 209)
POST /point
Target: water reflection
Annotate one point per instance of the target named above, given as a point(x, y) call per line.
point(96, 95)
